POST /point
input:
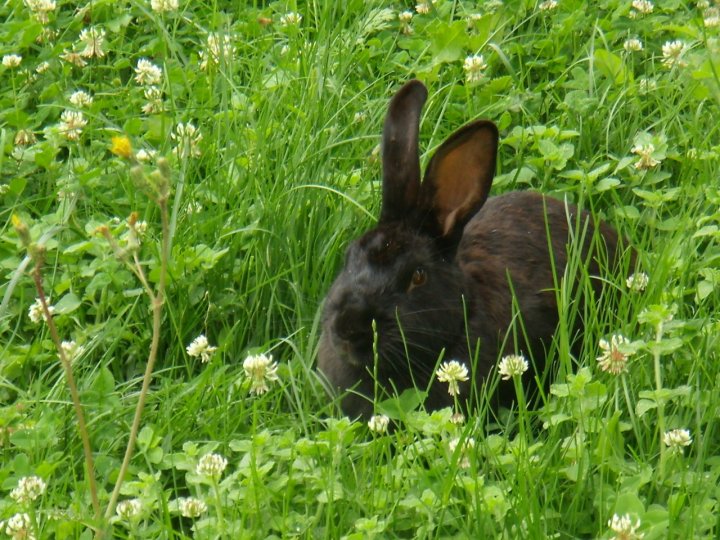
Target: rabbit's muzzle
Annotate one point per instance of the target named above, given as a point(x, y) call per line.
point(352, 328)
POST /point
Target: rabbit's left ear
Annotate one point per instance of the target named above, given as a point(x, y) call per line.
point(459, 175)
point(400, 157)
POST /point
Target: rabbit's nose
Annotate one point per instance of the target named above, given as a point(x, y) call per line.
point(354, 324)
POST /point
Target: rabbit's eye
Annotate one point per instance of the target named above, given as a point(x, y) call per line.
point(419, 278)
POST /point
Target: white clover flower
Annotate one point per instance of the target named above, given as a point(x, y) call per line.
point(405, 17)
point(28, 489)
point(194, 207)
point(128, 509)
point(378, 423)
point(474, 67)
point(73, 58)
point(703, 4)
point(44, 5)
point(548, 5)
point(711, 17)
point(188, 138)
point(47, 35)
point(154, 95)
point(218, 50)
point(633, 45)
point(147, 73)
point(163, 6)
point(42, 67)
point(24, 137)
point(423, 8)
point(11, 60)
point(290, 19)
point(145, 155)
point(80, 98)
point(41, 8)
point(374, 156)
point(211, 465)
point(18, 527)
point(200, 347)
point(457, 418)
point(359, 117)
point(643, 6)
point(512, 365)
point(452, 372)
point(677, 439)
point(36, 311)
point(637, 281)
point(141, 228)
point(624, 528)
point(614, 358)
point(190, 507)
point(72, 124)
point(646, 85)
point(467, 445)
point(93, 38)
point(645, 151)
point(72, 350)
point(673, 52)
point(260, 369)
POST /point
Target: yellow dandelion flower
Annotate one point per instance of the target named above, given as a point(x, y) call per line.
point(21, 229)
point(120, 146)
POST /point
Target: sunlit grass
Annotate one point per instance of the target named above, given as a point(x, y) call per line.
point(278, 172)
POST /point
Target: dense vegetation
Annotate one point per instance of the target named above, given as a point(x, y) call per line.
point(170, 171)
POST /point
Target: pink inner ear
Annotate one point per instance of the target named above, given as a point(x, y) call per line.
point(457, 179)
point(449, 222)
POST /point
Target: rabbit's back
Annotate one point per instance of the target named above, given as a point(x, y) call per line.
point(513, 253)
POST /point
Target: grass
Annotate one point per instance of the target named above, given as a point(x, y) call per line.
point(285, 174)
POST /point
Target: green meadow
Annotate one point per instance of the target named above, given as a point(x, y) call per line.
point(178, 184)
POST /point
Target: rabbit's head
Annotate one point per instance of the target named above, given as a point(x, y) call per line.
point(398, 301)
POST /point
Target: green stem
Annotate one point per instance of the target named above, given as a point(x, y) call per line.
point(660, 401)
point(219, 507)
point(522, 406)
point(376, 359)
point(628, 404)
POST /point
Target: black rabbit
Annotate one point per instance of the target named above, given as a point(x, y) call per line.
point(439, 271)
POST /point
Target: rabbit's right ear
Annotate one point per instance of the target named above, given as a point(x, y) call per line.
point(400, 154)
point(458, 177)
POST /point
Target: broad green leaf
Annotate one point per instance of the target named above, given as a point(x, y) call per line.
point(606, 184)
point(447, 41)
point(67, 304)
point(611, 65)
point(643, 406)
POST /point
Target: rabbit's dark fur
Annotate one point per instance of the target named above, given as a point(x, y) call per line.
point(440, 269)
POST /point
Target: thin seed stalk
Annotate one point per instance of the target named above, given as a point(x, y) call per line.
point(376, 360)
point(157, 300)
point(75, 395)
point(660, 402)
